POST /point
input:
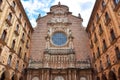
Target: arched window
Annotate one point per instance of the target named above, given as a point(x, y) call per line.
point(25, 25)
point(4, 35)
point(17, 27)
point(19, 52)
point(25, 57)
point(17, 65)
point(103, 4)
point(9, 17)
point(23, 36)
point(13, 44)
point(117, 51)
point(107, 18)
point(112, 35)
point(97, 17)
point(108, 61)
point(20, 16)
point(104, 45)
point(13, 4)
point(100, 29)
point(9, 60)
point(98, 52)
point(101, 66)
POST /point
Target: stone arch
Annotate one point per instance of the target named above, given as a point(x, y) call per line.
point(5, 75)
point(35, 78)
point(14, 77)
point(104, 77)
point(112, 76)
point(83, 78)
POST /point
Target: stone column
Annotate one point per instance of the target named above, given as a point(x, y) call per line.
point(69, 73)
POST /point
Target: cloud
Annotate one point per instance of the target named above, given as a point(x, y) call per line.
point(34, 7)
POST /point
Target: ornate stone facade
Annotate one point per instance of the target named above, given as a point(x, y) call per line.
point(60, 49)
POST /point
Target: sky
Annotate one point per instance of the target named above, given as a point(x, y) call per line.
point(35, 7)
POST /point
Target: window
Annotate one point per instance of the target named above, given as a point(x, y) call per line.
point(94, 57)
point(97, 17)
point(23, 36)
point(19, 52)
point(13, 4)
point(25, 57)
point(17, 27)
point(25, 25)
point(59, 38)
point(103, 4)
point(9, 60)
point(17, 64)
point(107, 18)
point(91, 44)
point(112, 35)
point(116, 1)
point(104, 45)
point(100, 29)
point(108, 61)
point(93, 28)
point(95, 38)
point(20, 16)
point(98, 52)
point(117, 51)
point(101, 67)
point(13, 44)
point(4, 35)
point(9, 17)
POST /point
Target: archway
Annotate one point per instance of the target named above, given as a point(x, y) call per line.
point(112, 76)
point(59, 78)
point(2, 76)
point(104, 77)
point(14, 77)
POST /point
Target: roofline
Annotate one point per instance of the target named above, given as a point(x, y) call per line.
point(92, 14)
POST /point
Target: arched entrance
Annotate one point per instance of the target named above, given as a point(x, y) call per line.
point(59, 78)
point(35, 78)
point(83, 78)
point(14, 77)
point(104, 77)
point(112, 76)
point(2, 76)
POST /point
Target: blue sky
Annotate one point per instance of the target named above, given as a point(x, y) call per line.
point(35, 7)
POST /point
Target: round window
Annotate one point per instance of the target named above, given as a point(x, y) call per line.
point(59, 38)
